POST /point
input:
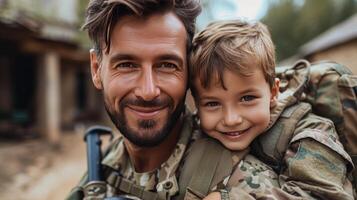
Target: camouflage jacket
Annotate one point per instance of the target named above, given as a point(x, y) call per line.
point(256, 177)
point(314, 167)
point(314, 164)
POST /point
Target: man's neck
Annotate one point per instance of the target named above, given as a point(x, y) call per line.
point(145, 159)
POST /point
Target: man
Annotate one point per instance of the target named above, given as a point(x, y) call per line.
point(139, 62)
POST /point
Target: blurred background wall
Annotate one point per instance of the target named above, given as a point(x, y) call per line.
point(45, 83)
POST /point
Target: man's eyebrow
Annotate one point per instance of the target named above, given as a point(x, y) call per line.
point(173, 57)
point(118, 56)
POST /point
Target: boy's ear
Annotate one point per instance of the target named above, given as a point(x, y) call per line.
point(274, 93)
point(95, 69)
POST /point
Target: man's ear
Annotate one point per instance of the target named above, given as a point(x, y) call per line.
point(274, 93)
point(95, 69)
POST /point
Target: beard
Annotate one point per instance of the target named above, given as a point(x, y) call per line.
point(146, 135)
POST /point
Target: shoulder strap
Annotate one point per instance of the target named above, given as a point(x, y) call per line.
point(340, 69)
point(207, 163)
point(113, 178)
point(270, 147)
point(128, 187)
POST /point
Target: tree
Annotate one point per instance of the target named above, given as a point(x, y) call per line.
point(82, 36)
point(293, 23)
point(279, 19)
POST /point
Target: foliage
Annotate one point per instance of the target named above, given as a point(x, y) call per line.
point(294, 22)
point(82, 36)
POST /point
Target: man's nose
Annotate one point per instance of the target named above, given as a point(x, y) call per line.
point(232, 118)
point(147, 88)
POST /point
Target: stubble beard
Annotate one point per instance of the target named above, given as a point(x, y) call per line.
point(148, 137)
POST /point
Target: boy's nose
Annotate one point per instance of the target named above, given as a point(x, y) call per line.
point(147, 88)
point(232, 118)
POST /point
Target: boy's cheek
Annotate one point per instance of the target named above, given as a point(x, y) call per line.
point(208, 121)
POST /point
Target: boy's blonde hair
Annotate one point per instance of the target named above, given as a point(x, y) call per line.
point(233, 45)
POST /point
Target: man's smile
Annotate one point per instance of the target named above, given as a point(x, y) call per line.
point(146, 112)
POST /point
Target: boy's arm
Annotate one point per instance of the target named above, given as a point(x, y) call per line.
point(316, 165)
point(253, 179)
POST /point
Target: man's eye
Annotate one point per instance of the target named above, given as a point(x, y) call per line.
point(167, 66)
point(126, 65)
point(248, 98)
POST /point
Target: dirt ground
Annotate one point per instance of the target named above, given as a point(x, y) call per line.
point(32, 169)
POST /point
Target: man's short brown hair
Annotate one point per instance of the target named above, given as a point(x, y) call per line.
point(102, 15)
point(231, 45)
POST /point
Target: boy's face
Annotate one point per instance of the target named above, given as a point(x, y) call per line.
point(236, 116)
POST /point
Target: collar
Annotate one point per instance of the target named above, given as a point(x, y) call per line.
point(118, 159)
point(285, 99)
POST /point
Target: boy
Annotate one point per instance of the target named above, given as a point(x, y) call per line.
point(236, 93)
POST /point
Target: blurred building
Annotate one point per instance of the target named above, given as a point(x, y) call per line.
point(45, 84)
point(339, 44)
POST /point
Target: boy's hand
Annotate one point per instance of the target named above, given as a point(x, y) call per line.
point(213, 196)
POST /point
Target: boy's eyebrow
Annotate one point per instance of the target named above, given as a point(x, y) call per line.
point(247, 90)
point(203, 97)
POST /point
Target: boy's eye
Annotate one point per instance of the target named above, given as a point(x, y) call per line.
point(248, 98)
point(211, 104)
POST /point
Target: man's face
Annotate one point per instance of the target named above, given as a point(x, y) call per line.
point(144, 76)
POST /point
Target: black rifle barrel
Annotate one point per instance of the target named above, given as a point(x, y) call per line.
point(94, 151)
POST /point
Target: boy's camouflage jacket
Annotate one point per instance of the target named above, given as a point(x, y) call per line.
point(315, 164)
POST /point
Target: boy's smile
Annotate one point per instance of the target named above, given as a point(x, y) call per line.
point(238, 114)
point(234, 133)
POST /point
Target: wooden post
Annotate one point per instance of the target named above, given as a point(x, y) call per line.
point(68, 92)
point(49, 96)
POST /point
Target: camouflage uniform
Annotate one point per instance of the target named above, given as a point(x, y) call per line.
point(257, 178)
point(315, 167)
point(118, 159)
point(315, 164)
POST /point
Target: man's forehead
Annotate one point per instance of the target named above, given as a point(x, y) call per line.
point(154, 30)
point(159, 24)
